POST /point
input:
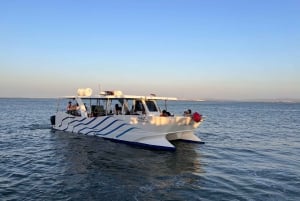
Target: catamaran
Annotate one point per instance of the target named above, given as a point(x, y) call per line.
point(132, 119)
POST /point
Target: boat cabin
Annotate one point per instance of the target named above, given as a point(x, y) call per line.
point(114, 103)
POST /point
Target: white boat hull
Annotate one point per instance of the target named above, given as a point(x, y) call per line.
point(154, 131)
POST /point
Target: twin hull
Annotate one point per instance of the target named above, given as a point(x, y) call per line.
point(154, 131)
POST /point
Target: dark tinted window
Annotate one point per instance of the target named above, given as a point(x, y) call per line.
point(151, 106)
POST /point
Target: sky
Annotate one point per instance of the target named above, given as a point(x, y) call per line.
point(192, 49)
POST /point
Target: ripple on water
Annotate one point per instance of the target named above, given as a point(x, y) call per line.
point(250, 153)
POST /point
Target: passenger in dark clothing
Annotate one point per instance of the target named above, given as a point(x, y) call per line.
point(165, 113)
point(118, 109)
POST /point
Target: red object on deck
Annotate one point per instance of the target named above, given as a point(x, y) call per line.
point(197, 117)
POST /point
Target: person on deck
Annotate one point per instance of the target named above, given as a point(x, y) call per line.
point(188, 113)
point(118, 109)
point(164, 113)
point(69, 107)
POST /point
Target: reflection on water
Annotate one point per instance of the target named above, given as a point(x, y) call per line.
point(139, 171)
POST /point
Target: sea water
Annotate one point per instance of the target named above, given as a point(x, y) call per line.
point(251, 152)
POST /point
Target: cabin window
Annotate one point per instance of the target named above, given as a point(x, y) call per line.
point(151, 106)
point(139, 106)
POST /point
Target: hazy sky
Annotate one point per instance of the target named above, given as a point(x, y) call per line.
point(200, 49)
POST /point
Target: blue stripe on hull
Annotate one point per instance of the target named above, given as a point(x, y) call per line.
point(107, 133)
point(76, 120)
point(89, 122)
point(126, 131)
point(73, 122)
point(64, 120)
point(79, 131)
point(107, 126)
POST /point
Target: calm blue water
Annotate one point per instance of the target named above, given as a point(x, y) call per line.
point(252, 152)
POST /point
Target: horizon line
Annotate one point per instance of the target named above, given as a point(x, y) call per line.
point(274, 100)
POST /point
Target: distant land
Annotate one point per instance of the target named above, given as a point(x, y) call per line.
point(279, 100)
point(287, 100)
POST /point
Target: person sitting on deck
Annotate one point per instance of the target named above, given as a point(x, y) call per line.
point(188, 113)
point(73, 109)
point(69, 107)
point(165, 113)
point(118, 109)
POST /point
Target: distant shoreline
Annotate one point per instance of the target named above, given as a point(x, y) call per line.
point(245, 100)
point(195, 100)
